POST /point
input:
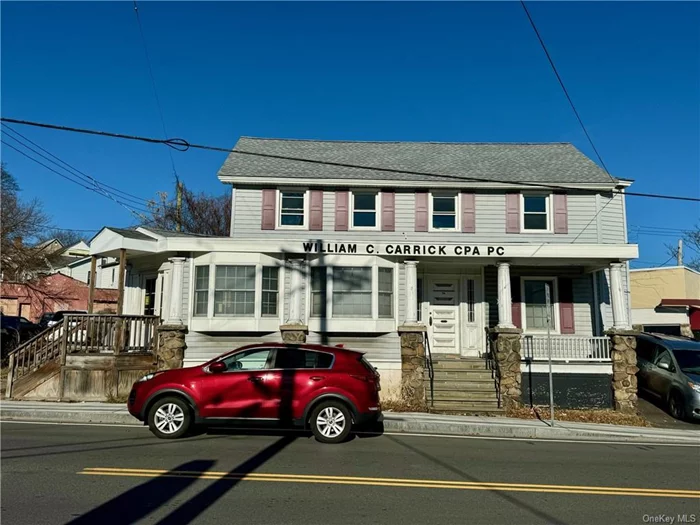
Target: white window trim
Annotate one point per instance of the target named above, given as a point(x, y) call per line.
point(353, 262)
point(555, 304)
point(278, 220)
point(458, 214)
point(193, 293)
point(548, 211)
point(377, 210)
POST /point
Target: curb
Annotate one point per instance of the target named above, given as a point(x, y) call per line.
point(391, 423)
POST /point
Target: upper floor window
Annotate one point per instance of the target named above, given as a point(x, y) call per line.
point(363, 210)
point(536, 212)
point(443, 211)
point(292, 206)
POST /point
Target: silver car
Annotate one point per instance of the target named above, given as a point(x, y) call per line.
point(669, 369)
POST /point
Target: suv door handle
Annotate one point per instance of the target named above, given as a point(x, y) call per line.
point(255, 379)
point(316, 378)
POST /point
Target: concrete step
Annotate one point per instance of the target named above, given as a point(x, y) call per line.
point(468, 411)
point(460, 364)
point(441, 406)
point(463, 386)
point(462, 396)
point(461, 375)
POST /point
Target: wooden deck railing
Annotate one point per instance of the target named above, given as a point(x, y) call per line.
point(84, 334)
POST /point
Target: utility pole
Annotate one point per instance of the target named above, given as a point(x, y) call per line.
point(679, 254)
point(178, 193)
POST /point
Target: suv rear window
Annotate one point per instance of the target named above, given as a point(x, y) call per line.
point(294, 358)
point(367, 365)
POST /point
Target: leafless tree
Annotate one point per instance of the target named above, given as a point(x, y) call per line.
point(23, 223)
point(66, 237)
point(199, 213)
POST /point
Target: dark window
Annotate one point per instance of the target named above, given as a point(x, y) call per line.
point(688, 360)
point(663, 356)
point(254, 359)
point(295, 358)
point(292, 208)
point(535, 212)
point(365, 210)
point(444, 212)
point(645, 349)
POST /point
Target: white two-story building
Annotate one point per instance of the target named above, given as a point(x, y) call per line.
point(354, 239)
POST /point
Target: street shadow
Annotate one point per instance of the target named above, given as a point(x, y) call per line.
point(137, 503)
point(510, 499)
point(191, 509)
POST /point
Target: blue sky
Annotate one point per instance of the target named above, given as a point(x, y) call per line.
point(359, 71)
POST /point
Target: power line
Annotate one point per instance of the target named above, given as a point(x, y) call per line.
point(180, 144)
point(131, 209)
point(563, 87)
point(75, 171)
point(153, 84)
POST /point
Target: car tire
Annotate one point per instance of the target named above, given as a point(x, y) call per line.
point(170, 418)
point(676, 405)
point(331, 422)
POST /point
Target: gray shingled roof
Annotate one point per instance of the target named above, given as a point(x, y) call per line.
point(507, 162)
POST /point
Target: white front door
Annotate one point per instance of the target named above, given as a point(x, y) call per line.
point(443, 320)
point(472, 315)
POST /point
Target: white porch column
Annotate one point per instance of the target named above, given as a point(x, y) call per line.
point(617, 298)
point(411, 292)
point(175, 303)
point(505, 314)
point(296, 287)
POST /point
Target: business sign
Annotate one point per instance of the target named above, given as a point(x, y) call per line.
point(459, 250)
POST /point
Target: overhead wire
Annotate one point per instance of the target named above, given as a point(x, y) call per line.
point(180, 144)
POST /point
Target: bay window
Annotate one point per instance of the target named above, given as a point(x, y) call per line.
point(318, 291)
point(201, 290)
point(270, 290)
point(234, 291)
point(386, 292)
point(352, 292)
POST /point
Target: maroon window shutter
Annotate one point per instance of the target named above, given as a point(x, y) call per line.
point(388, 211)
point(421, 211)
point(561, 214)
point(566, 306)
point(468, 213)
point(316, 210)
point(512, 213)
point(269, 199)
point(342, 199)
point(516, 308)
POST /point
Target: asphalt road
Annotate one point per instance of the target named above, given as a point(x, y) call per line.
point(55, 474)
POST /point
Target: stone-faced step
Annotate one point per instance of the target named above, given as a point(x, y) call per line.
point(464, 405)
point(459, 364)
point(463, 386)
point(455, 395)
point(461, 375)
point(468, 411)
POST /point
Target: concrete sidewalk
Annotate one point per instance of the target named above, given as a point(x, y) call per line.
point(407, 422)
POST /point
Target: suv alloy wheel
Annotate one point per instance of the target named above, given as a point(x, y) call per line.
point(331, 422)
point(169, 418)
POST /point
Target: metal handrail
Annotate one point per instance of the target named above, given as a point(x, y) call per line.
point(431, 370)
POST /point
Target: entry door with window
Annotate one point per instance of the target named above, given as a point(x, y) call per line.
point(443, 320)
point(149, 300)
point(472, 317)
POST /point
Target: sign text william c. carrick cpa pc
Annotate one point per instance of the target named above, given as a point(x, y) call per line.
point(404, 249)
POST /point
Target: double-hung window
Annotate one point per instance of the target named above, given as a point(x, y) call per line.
point(443, 211)
point(292, 206)
point(270, 290)
point(364, 207)
point(536, 214)
point(201, 290)
point(535, 295)
point(318, 291)
point(386, 292)
point(234, 291)
point(352, 292)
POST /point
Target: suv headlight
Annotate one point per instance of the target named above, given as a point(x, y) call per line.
point(694, 386)
point(147, 377)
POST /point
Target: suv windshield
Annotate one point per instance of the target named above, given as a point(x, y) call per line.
point(688, 360)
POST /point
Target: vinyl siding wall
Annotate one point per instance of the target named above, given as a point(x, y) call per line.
point(202, 347)
point(490, 221)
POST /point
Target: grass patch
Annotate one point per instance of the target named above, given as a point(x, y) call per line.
point(116, 399)
point(606, 416)
point(394, 405)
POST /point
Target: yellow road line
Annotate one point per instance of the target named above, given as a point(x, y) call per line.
point(395, 482)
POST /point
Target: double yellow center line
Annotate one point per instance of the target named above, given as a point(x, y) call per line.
point(393, 482)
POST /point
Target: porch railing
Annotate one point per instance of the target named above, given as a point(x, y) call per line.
point(566, 348)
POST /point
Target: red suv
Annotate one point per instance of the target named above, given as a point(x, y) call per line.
point(324, 388)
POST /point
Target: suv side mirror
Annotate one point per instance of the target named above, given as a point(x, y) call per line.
point(217, 367)
point(665, 366)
